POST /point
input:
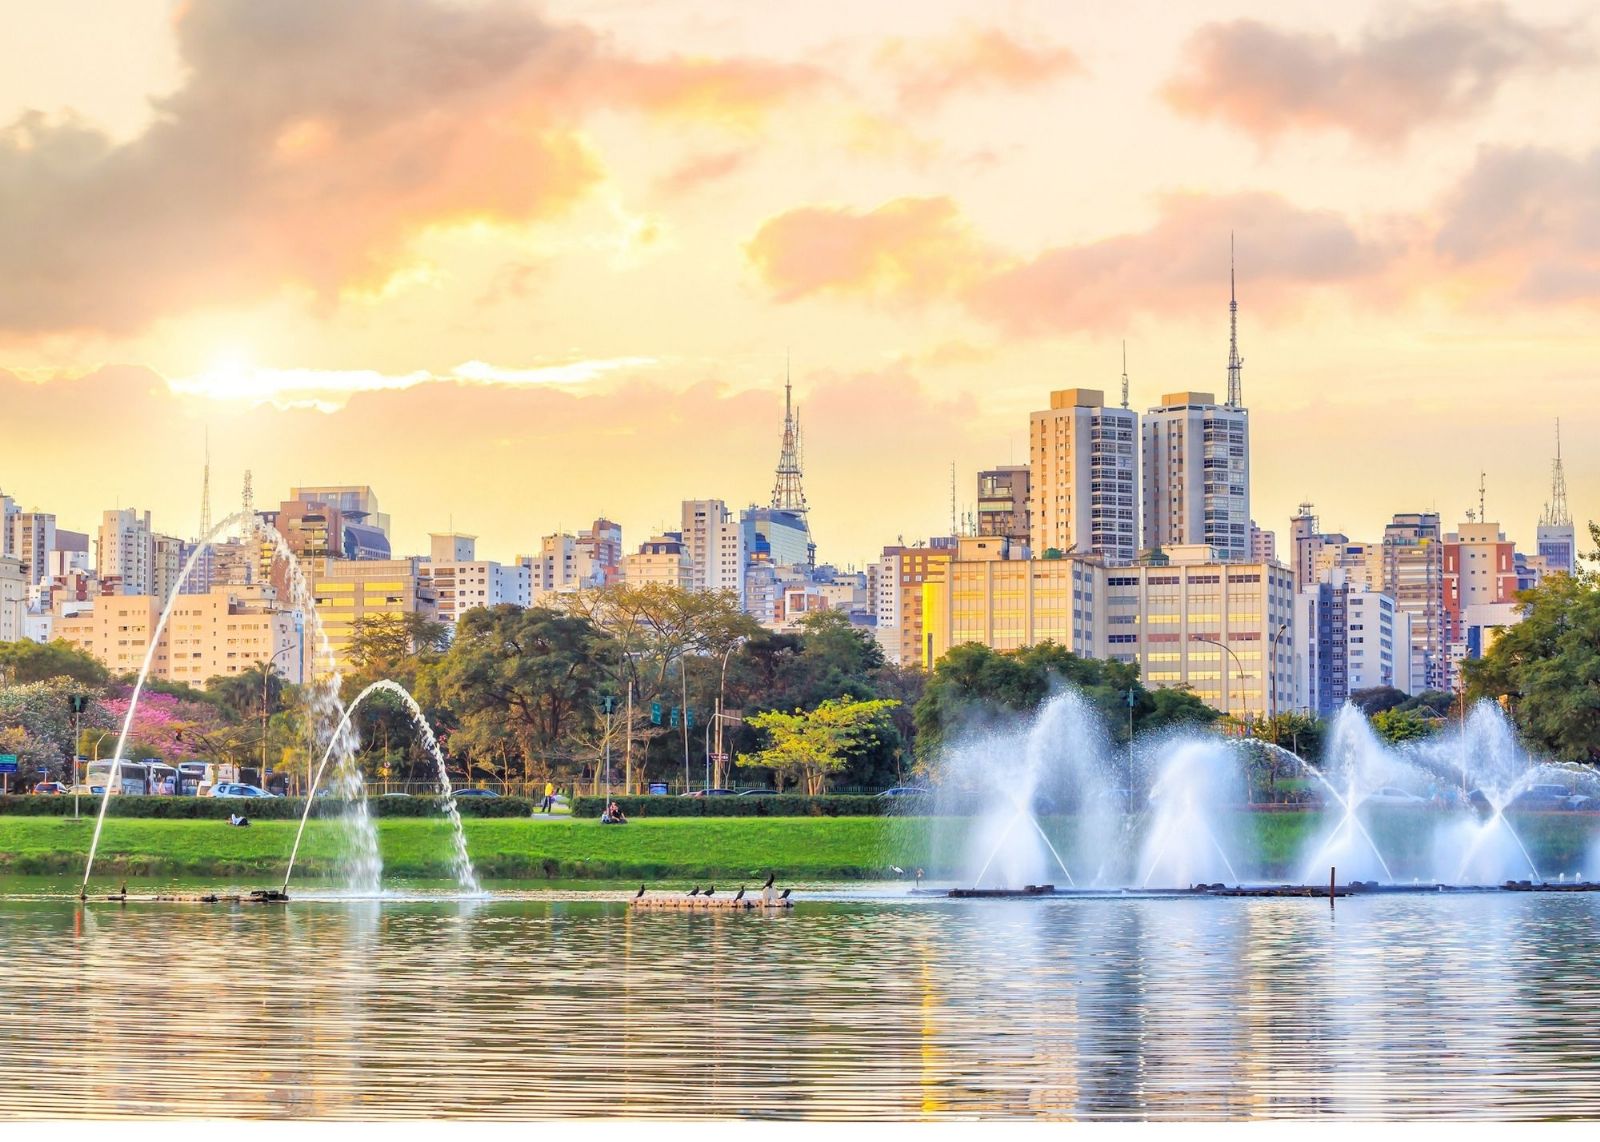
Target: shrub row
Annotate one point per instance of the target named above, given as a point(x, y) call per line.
point(263, 808)
point(781, 805)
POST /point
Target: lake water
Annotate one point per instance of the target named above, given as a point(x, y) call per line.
point(860, 1006)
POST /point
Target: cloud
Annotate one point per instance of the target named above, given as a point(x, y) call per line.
point(908, 250)
point(914, 251)
point(1531, 217)
point(327, 390)
point(699, 170)
point(1413, 70)
point(927, 72)
point(1179, 266)
point(310, 143)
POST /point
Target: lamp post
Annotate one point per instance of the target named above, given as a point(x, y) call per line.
point(719, 716)
point(610, 701)
point(1272, 678)
point(266, 676)
point(1242, 675)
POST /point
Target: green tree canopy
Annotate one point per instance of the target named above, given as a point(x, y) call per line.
point(28, 661)
point(811, 746)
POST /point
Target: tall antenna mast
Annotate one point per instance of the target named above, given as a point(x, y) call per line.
point(1555, 512)
point(249, 496)
point(1235, 362)
point(954, 527)
point(1483, 514)
point(205, 492)
point(1124, 374)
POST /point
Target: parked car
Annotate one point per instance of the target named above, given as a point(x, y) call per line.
point(407, 796)
point(758, 793)
point(53, 788)
point(475, 793)
point(1541, 798)
point(236, 789)
point(710, 793)
point(907, 791)
point(1389, 795)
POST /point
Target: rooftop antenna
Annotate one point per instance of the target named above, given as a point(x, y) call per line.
point(1235, 362)
point(249, 496)
point(1124, 374)
point(1483, 514)
point(1555, 512)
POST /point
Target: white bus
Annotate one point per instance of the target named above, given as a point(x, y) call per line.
point(134, 778)
point(195, 778)
point(160, 777)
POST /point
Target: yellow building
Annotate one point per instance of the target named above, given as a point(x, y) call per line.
point(345, 590)
point(227, 631)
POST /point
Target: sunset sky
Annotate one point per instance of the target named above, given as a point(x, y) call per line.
point(515, 264)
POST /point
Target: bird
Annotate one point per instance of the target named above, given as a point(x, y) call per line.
point(784, 895)
point(640, 894)
point(737, 896)
point(771, 876)
point(123, 891)
point(695, 891)
point(710, 891)
point(897, 870)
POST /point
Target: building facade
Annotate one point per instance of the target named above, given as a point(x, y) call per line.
point(716, 545)
point(1413, 576)
point(125, 553)
point(661, 559)
point(1197, 475)
point(1350, 638)
point(983, 595)
point(1004, 502)
point(1083, 492)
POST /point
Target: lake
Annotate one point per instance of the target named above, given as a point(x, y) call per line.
point(860, 1004)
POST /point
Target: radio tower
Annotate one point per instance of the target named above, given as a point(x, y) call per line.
point(1555, 512)
point(1124, 374)
point(787, 494)
point(1235, 362)
point(205, 492)
point(249, 496)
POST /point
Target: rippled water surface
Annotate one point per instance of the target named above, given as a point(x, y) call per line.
point(874, 1008)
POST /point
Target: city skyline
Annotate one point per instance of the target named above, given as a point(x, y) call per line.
point(627, 219)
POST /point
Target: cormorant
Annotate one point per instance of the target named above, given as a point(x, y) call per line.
point(737, 896)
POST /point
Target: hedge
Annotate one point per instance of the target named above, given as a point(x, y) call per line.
point(780, 805)
point(264, 808)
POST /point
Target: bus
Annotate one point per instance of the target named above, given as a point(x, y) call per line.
point(159, 776)
point(195, 778)
point(134, 778)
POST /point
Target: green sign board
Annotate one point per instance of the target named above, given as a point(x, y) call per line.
point(8, 763)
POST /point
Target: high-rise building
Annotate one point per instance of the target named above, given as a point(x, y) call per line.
point(1197, 475)
point(355, 503)
point(31, 537)
point(1083, 477)
point(1361, 562)
point(13, 598)
point(8, 508)
point(126, 551)
point(459, 580)
point(716, 544)
point(1480, 591)
point(1555, 536)
point(602, 544)
point(348, 590)
point(982, 594)
point(1413, 576)
point(1350, 638)
point(1003, 502)
point(1263, 544)
point(166, 564)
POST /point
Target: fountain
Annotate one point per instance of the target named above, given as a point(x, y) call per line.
point(322, 698)
point(1188, 838)
point(461, 865)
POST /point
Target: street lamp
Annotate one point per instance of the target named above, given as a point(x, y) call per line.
point(266, 676)
point(719, 717)
point(1272, 677)
point(1244, 694)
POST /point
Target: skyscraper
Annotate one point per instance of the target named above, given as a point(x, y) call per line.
point(1083, 475)
point(1197, 475)
point(1003, 502)
point(1413, 576)
point(714, 540)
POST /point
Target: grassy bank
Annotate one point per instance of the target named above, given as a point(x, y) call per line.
point(799, 848)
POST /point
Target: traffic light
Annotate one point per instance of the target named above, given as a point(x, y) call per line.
point(80, 702)
point(674, 717)
point(655, 713)
point(688, 719)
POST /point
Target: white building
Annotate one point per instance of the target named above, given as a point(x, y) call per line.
point(661, 559)
point(460, 580)
point(1350, 637)
point(126, 553)
point(1083, 477)
point(565, 564)
point(715, 542)
point(31, 537)
point(13, 598)
point(1197, 475)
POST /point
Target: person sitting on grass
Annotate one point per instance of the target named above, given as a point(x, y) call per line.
point(235, 819)
point(613, 815)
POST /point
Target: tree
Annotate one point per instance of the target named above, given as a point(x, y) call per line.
point(520, 682)
point(28, 661)
point(1377, 699)
point(1545, 670)
point(1399, 725)
point(811, 747)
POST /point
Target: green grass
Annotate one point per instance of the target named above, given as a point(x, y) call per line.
point(798, 848)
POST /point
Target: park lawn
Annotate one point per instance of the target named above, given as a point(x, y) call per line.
point(815, 848)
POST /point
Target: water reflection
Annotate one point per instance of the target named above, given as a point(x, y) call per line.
point(1481, 1006)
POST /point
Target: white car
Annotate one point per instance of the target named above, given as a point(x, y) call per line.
point(235, 789)
point(1389, 795)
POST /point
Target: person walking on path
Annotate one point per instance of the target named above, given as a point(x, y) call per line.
point(549, 805)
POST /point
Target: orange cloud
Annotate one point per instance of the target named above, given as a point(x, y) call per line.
point(929, 71)
point(699, 170)
point(1418, 68)
point(737, 91)
point(918, 250)
point(908, 250)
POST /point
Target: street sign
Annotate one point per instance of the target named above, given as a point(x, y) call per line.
point(674, 717)
point(80, 703)
point(8, 763)
point(655, 713)
point(688, 719)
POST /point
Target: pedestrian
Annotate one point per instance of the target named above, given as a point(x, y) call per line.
point(549, 805)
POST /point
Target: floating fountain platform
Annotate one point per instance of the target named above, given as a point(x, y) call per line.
point(1257, 891)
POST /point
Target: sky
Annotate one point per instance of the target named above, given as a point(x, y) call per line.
point(517, 265)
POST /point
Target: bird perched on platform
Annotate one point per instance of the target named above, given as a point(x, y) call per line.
point(695, 891)
point(712, 891)
point(897, 870)
point(771, 876)
point(640, 894)
point(784, 895)
point(737, 896)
